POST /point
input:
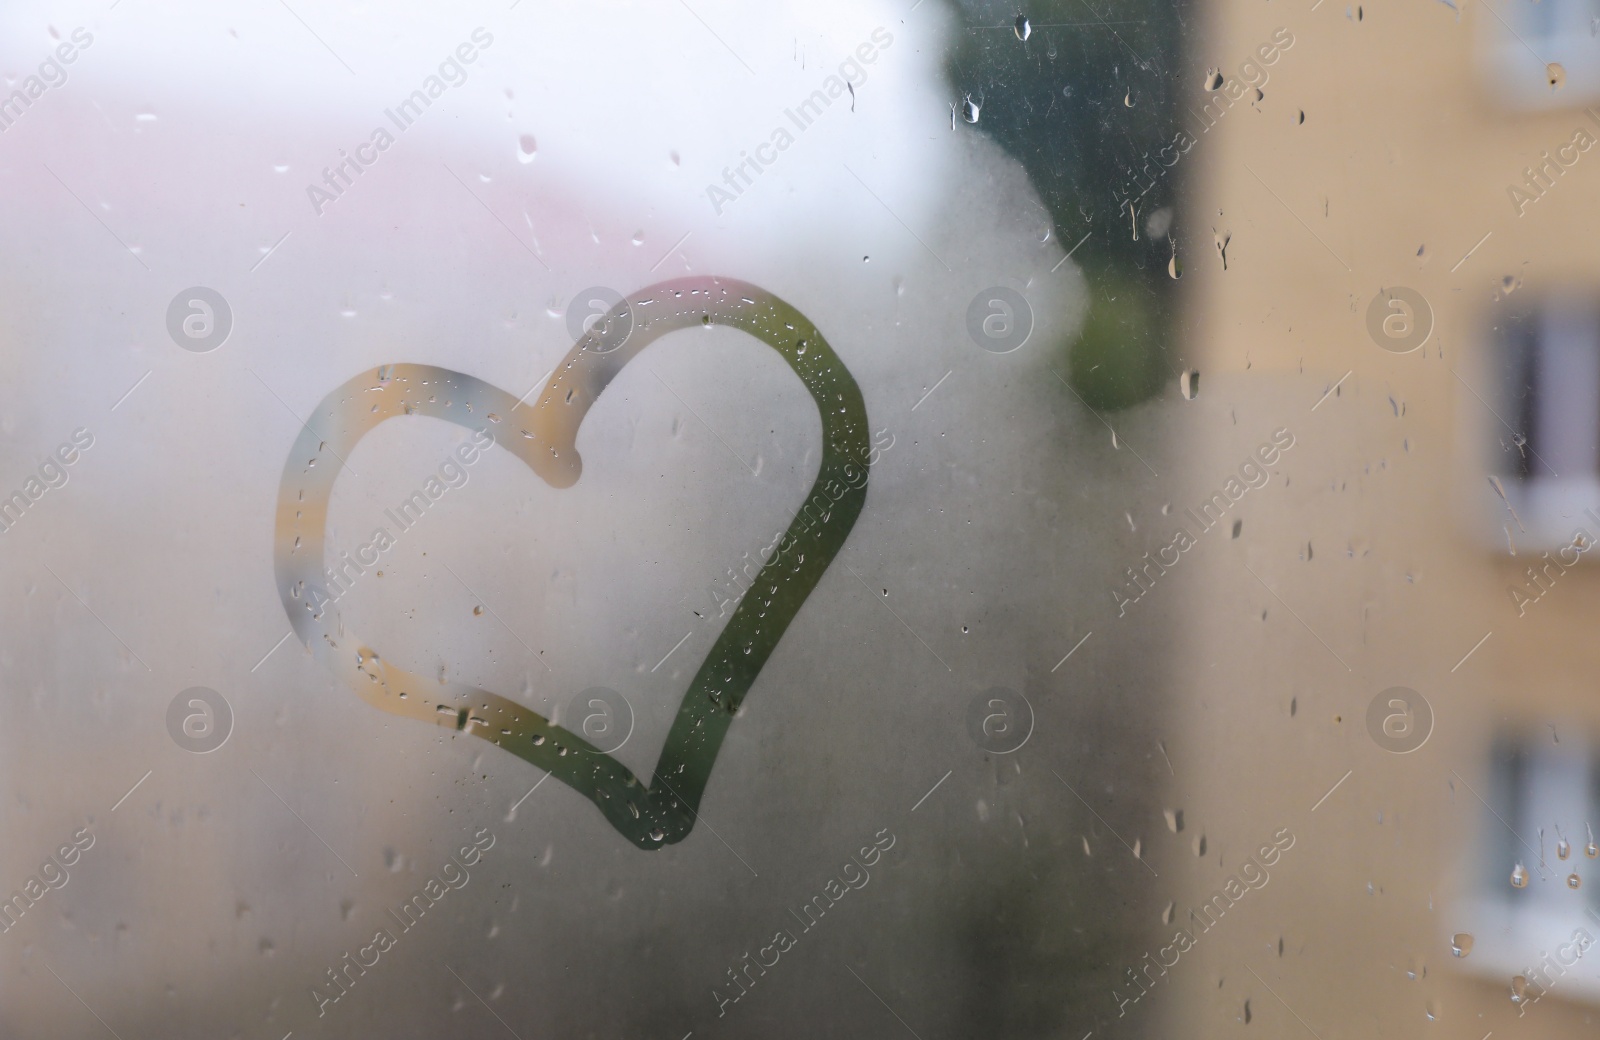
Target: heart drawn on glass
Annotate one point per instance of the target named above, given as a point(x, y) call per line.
point(665, 811)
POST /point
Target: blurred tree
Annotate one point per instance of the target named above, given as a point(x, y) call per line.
point(1084, 94)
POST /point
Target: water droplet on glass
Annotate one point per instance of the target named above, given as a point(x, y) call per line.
point(527, 148)
point(1555, 74)
point(970, 109)
point(1022, 28)
point(1519, 876)
point(1573, 881)
point(1563, 849)
point(1461, 944)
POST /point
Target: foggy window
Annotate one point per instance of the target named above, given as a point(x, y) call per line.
point(855, 518)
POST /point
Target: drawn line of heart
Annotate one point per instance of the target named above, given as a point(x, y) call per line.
point(545, 440)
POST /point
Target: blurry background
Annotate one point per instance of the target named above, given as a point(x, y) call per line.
point(1310, 283)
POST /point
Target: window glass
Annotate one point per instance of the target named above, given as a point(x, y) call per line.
point(806, 519)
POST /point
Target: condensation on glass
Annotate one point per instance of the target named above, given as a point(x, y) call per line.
point(941, 518)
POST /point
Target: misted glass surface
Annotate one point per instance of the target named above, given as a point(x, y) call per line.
point(923, 518)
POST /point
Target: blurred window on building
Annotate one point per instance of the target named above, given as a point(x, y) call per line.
point(1560, 38)
point(1548, 454)
point(1523, 901)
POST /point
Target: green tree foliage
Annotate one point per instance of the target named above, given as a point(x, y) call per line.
point(1085, 103)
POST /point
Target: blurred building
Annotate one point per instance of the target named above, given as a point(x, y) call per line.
point(1431, 529)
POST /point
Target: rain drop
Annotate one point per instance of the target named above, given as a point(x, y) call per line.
point(1022, 28)
point(1461, 944)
